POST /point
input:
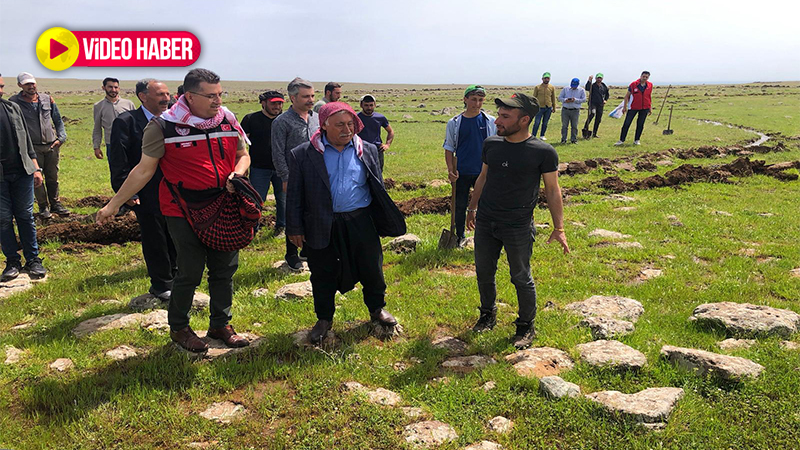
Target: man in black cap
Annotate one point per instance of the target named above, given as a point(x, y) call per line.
point(505, 193)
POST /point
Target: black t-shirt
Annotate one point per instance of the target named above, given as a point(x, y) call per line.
point(259, 127)
point(512, 182)
point(10, 160)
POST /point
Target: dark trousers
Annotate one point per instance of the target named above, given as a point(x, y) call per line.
point(47, 193)
point(490, 238)
point(463, 184)
point(639, 123)
point(158, 250)
point(16, 203)
point(193, 257)
point(596, 113)
point(380, 155)
point(353, 255)
point(543, 116)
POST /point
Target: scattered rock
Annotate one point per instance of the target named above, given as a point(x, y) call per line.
point(202, 445)
point(614, 307)
point(465, 364)
point(154, 320)
point(383, 332)
point(438, 183)
point(625, 166)
point(621, 198)
point(452, 345)
point(722, 213)
point(789, 345)
point(300, 339)
point(650, 406)
point(628, 245)
point(554, 387)
point(484, 445)
point(766, 214)
point(260, 292)
point(540, 362)
point(723, 366)
point(748, 319)
point(429, 434)
point(110, 301)
point(500, 425)
point(406, 243)
point(295, 291)
point(599, 232)
point(795, 272)
point(613, 354)
point(407, 116)
point(578, 224)
point(665, 162)
point(150, 301)
point(13, 354)
point(606, 327)
point(122, 353)
point(62, 364)
point(217, 349)
point(736, 344)
point(223, 412)
point(23, 326)
point(412, 412)
point(649, 273)
point(20, 284)
point(384, 397)
point(283, 267)
point(488, 386)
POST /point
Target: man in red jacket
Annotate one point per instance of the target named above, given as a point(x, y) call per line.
point(199, 146)
point(641, 91)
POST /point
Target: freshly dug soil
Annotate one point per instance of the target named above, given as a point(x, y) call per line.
point(424, 205)
point(120, 230)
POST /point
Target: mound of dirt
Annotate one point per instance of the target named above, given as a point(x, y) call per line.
point(92, 201)
point(424, 205)
point(120, 230)
point(389, 183)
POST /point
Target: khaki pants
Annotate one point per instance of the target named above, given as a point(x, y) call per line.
point(47, 193)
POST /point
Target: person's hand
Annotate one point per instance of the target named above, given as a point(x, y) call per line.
point(561, 238)
point(297, 240)
point(38, 179)
point(604, 102)
point(591, 78)
point(105, 214)
point(570, 100)
point(553, 110)
point(133, 202)
point(649, 111)
point(470, 220)
point(228, 185)
point(98, 153)
point(624, 110)
point(56, 144)
point(383, 147)
point(452, 176)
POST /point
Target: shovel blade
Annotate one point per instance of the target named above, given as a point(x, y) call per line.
point(586, 133)
point(667, 132)
point(448, 240)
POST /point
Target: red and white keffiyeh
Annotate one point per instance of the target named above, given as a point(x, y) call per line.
point(330, 109)
point(181, 114)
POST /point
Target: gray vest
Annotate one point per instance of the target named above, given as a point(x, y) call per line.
point(38, 120)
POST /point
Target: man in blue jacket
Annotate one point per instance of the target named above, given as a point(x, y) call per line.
point(336, 209)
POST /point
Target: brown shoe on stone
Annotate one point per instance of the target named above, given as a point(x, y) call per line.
point(383, 317)
point(228, 336)
point(188, 340)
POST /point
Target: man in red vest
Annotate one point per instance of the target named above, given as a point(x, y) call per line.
point(641, 91)
point(199, 146)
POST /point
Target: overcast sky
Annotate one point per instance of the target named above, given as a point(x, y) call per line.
point(427, 41)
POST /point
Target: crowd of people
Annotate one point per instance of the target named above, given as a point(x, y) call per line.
point(196, 178)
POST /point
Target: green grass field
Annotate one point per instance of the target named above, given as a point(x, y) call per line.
point(293, 396)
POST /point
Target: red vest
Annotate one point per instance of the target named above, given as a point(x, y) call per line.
point(196, 159)
point(641, 100)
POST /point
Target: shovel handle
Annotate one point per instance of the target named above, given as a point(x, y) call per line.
point(453, 207)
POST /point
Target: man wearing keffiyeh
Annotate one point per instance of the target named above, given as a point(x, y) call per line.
point(199, 146)
point(336, 209)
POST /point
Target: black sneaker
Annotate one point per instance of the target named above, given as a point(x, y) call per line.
point(294, 262)
point(524, 336)
point(59, 209)
point(35, 268)
point(12, 270)
point(280, 233)
point(44, 213)
point(486, 321)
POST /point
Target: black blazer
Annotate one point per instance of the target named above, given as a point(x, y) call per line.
point(309, 205)
point(126, 152)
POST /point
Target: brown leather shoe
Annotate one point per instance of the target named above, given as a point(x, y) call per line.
point(188, 340)
point(383, 317)
point(228, 336)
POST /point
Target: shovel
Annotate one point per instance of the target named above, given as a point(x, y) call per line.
point(585, 131)
point(449, 238)
point(668, 131)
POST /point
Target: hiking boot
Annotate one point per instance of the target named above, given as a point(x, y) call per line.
point(383, 317)
point(618, 143)
point(188, 340)
point(486, 321)
point(319, 331)
point(294, 262)
point(228, 336)
point(60, 209)
point(524, 336)
point(12, 271)
point(35, 268)
point(44, 213)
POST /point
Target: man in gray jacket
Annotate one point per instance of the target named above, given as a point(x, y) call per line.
point(19, 173)
point(290, 129)
point(46, 131)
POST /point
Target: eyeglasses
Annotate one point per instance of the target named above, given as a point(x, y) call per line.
point(208, 96)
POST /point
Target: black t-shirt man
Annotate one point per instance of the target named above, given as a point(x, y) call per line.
point(259, 127)
point(514, 172)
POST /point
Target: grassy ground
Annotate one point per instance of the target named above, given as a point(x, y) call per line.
point(293, 396)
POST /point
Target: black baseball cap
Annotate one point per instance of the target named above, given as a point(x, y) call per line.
point(521, 101)
point(271, 96)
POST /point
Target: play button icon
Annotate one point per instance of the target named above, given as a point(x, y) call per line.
point(57, 48)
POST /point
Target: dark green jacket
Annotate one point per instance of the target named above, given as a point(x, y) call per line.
point(26, 151)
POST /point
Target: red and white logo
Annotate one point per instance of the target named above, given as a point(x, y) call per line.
point(183, 131)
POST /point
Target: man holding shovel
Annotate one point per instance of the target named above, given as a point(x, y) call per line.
point(463, 142)
point(598, 96)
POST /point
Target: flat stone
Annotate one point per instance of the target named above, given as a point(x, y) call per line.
point(614, 307)
point(295, 291)
point(300, 339)
point(20, 284)
point(625, 208)
point(665, 162)
point(201, 301)
point(722, 213)
point(62, 364)
point(488, 386)
point(606, 327)
point(795, 272)
point(202, 445)
point(217, 349)
point(110, 301)
point(599, 232)
point(23, 326)
point(653, 405)
point(501, 425)
point(465, 364)
point(735, 344)
point(613, 354)
point(748, 319)
point(789, 345)
point(723, 366)
point(384, 397)
point(412, 412)
point(150, 301)
point(554, 387)
point(625, 166)
point(452, 345)
point(484, 445)
point(621, 198)
point(260, 292)
point(223, 412)
point(651, 273)
point(283, 267)
point(540, 362)
point(154, 320)
point(429, 434)
point(438, 183)
point(628, 245)
point(406, 243)
point(13, 354)
point(122, 353)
